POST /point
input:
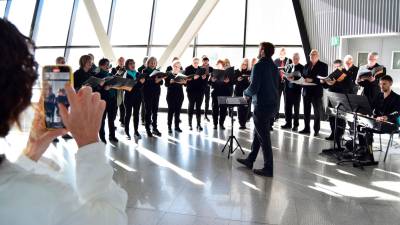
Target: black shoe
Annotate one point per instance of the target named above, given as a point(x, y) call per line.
point(221, 127)
point(304, 131)
point(169, 130)
point(263, 172)
point(286, 126)
point(199, 128)
point(103, 139)
point(113, 139)
point(177, 129)
point(149, 134)
point(67, 136)
point(271, 128)
point(128, 136)
point(215, 127)
point(180, 121)
point(316, 134)
point(295, 128)
point(245, 162)
point(206, 118)
point(242, 128)
point(137, 135)
point(330, 138)
point(156, 132)
point(55, 140)
point(190, 127)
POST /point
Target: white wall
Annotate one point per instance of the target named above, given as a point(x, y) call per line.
point(383, 45)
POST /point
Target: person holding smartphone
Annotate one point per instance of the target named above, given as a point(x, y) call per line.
point(30, 198)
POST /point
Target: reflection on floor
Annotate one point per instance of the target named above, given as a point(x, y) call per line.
point(184, 179)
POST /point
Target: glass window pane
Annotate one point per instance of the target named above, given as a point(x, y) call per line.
point(225, 25)
point(273, 21)
point(84, 33)
point(252, 52)
point(54, 23)
point(215, 53)
point(21, 13)
point(167, 22)
point(2, 8)
point(131, 22)
point(136, 54)
point(76, 53)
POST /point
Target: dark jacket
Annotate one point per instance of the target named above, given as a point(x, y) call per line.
point(194, 86)
point(291, 87)
point(264, 84)
point(174, 90)
point(352, 73)
point(221, 88)
point(80, 76)
point(107, 95)
point(319, 69)
point(371, 89)
point(136, 91)
point(389, 106)
point(150, 87)
point(240, 86)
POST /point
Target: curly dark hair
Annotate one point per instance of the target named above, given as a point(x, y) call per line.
point(18, 72)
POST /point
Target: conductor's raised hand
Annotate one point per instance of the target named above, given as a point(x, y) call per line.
point(83, 119)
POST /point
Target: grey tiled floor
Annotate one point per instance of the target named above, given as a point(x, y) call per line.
point(184, 179)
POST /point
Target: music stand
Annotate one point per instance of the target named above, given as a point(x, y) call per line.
point(231, 102)
point(358, 104)
point(339, 102)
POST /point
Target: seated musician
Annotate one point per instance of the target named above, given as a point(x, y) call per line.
point(337, 82)
point(386, 108)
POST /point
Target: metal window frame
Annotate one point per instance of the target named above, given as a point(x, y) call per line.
point(245, 27)
point(111, 18)
point(71, 28)
point(302, 28)
point(7, 9)
point(37, 13)
point(151, 27)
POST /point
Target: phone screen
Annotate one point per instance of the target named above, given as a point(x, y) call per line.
point(54, 80)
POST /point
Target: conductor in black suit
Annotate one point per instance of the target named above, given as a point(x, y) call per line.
point(312, 95)
point(263, 90)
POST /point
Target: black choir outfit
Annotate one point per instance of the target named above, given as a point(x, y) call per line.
point(207, 95)
point(220, 88)
point(343, 85)
point(312, 95)
point(151, 96)
point(110, 97)
point(352, 74)
point(195, 93)
point(120, 71)
point(292, 95)
point(80, 77)
point(281, 63)
point(370, 89)
point(174, 99)
point(132, 102)
point(240, 86)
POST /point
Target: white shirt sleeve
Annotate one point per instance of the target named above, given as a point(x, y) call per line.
point(100, 199)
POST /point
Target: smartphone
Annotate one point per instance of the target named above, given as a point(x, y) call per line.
point(54, 80)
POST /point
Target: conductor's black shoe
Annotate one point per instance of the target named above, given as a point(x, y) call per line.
point(330, 138)
point(149, 134)
point(295, 128)
point(242, 127)
point(190, 127)
point(316, 134)
point(215, 127)
point(137, 135)
point(221, 127)
point(245, 162)
point(263, 172)
point(156, 132)
point(113, 139)
point(199, 128)
point(286, 126)
point(271, 128)
point(304, 131)
point(177, 129)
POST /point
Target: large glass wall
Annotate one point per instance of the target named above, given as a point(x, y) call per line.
point(65, 29)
